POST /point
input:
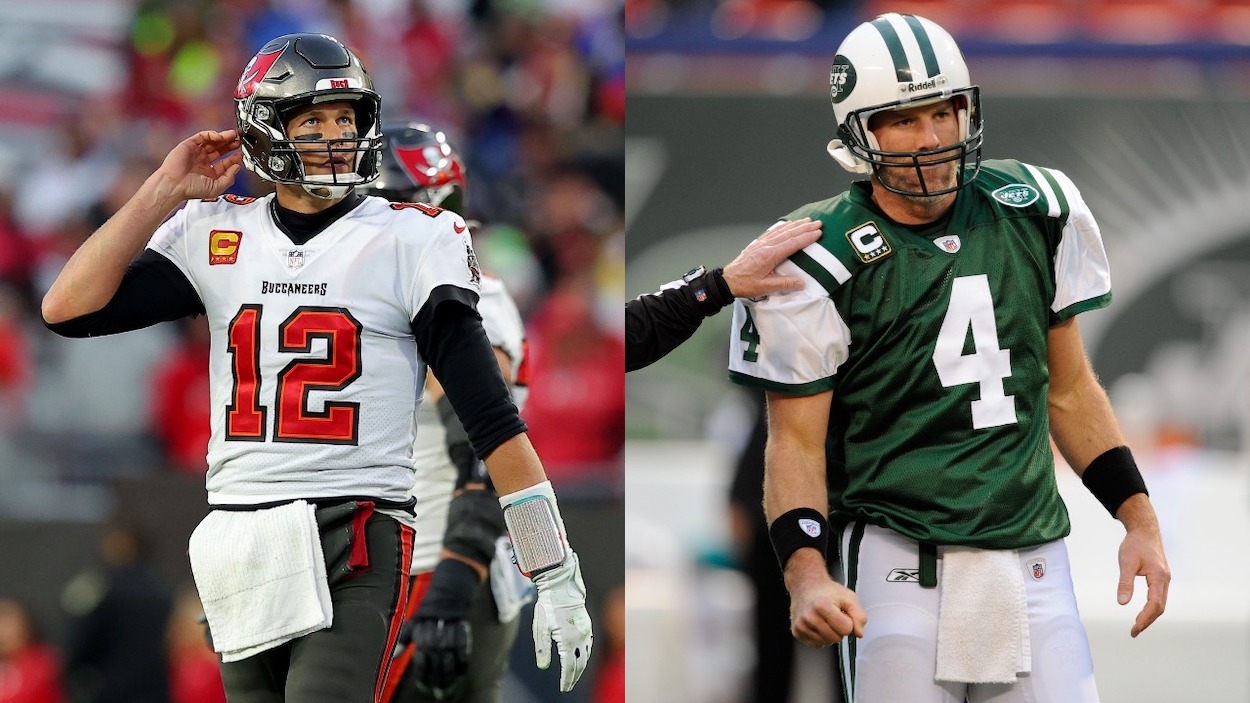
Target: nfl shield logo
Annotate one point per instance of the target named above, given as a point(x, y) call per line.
point(949, 244)
point(1038, 568)
point(295, 259)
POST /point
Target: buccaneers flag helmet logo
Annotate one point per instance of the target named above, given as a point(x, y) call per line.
point(255, 73)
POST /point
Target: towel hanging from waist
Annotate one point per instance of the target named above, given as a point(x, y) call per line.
point(261, 577)
point(983, 623)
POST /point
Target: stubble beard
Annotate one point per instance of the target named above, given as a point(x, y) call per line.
point(894, 177)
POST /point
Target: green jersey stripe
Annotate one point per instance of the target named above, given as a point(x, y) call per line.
point(1053, 206)
point(830, 263)
point(852, 580)
point(902, 68)
point(926, 46)
point(827, 275)
point(812, 388)
point(1059, 194)
point(1077, 308)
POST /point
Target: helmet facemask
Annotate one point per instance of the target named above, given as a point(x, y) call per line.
point(310, 69)
point(856, 137)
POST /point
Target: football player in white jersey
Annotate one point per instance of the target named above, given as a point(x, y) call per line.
point(325, 308)
point(464, 602)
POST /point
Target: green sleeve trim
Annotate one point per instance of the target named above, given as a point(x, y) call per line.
point(1077, 308)
point(1058, 190)
point(811, 388)
point(815, 270)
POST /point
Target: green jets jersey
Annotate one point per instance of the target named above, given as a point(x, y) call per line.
point(934, 343)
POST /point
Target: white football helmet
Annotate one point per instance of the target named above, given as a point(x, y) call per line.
point(897, 62)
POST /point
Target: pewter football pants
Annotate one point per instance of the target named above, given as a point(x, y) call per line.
point(347, 662)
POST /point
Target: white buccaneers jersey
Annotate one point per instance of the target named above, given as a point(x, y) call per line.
point(436, 475)
point(314, 368)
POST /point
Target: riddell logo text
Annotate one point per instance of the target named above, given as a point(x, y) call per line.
point(923, 85)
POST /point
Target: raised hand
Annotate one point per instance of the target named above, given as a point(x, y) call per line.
point(203, 165)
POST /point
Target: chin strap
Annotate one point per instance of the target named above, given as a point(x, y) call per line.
point(846, 159)
point(325, 187)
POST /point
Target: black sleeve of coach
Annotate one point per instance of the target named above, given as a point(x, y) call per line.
point(658, 323)
point(451, 340)
point(153, 290)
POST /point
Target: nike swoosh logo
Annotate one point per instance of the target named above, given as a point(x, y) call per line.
point(459, 227)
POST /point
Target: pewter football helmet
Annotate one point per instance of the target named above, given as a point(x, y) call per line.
point(293, 71)
point(420, 166)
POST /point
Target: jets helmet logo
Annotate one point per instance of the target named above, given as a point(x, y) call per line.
point(841, 79)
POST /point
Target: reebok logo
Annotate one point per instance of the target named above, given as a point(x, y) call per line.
point(903, 576)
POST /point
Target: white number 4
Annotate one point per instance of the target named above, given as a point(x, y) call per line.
point(971, 305)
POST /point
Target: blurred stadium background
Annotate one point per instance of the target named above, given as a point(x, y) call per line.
point(111, 431)
point(1146, 105)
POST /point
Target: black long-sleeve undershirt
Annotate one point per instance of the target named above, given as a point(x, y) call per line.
point(658, 323)
point(448, 331)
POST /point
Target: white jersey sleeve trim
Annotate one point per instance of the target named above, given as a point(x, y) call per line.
point(1082, 271)
point(829, 262)
point(789, 340)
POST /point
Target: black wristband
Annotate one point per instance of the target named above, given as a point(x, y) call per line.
point(796, 529)
point(707, 290)
point(1113, 478)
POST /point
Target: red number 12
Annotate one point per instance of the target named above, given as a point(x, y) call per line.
point(338, 422)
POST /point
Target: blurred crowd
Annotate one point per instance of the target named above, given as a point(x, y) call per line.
point(530, 92)
point(128, 637)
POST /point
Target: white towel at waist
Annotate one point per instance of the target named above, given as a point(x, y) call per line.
point(983, 623)
point(261, 576)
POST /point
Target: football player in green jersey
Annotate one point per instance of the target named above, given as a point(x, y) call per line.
point(914, 385)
